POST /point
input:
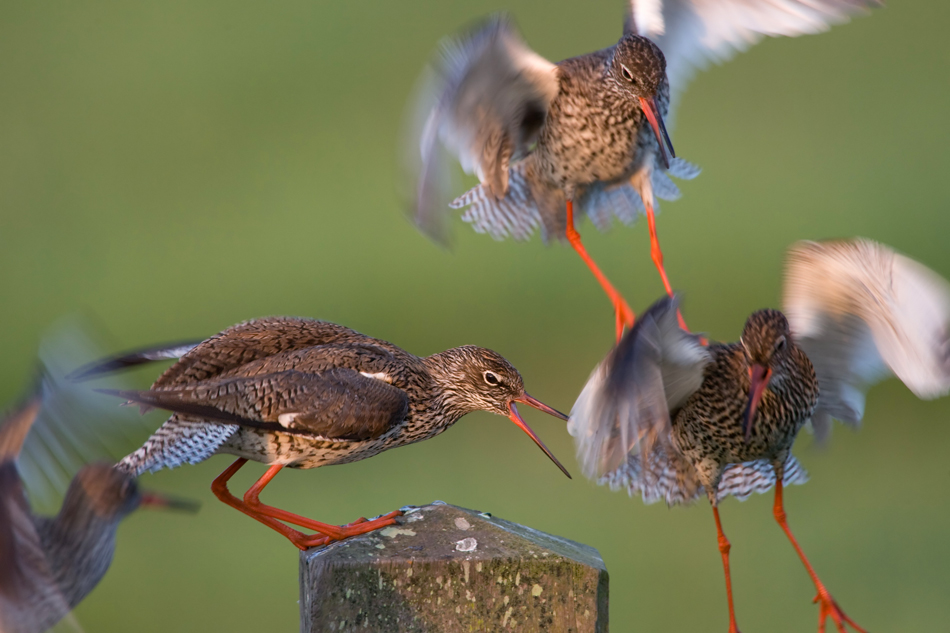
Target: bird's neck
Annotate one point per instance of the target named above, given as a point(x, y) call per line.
point(78, 544)
point(448, 372)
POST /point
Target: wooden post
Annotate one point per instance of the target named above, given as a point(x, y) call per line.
point(448, 569)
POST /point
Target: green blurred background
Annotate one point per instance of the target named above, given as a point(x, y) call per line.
point(169, 169)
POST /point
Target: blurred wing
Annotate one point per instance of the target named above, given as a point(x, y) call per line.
point(73, 425)
point(627, 402)
point(484, 102)
point(692, 33)
point(339, 404)
point(860, 312)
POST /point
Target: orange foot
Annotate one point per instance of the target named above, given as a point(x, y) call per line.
point(828, 607)
point(357, 527)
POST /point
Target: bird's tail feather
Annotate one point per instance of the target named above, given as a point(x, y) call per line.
point(176, 443)
point(669, 477)
point(515, 215)
point(529, 204)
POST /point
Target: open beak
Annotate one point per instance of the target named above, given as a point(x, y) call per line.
point(659, 129)
point(758, 380)
point(540, 406)
point(156, 500)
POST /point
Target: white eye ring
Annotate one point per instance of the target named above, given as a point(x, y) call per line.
point(626, 73)
point(780, 344)
point(491, 378)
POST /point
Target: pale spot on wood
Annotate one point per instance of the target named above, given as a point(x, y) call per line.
point(462, 524)
point(466, 545)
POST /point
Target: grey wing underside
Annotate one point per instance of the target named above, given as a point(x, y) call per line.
point(693, 33)
point(482, 102)
point(336, 405)
point(625, 406)
point(862, 312)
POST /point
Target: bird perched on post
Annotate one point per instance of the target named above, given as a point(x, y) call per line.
point(589, 130)
point(302, 393)
point(666, 417)
point(49, 564)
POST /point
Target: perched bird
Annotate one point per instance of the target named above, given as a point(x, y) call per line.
point(49, 564)
point(302, 393)
point(588, 130)
point(666, 417)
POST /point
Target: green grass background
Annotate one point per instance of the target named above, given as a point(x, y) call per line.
point(168, 169)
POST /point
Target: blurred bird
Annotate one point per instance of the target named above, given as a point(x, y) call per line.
point(590, 129)
point(302, 393)
point(49, 564)
point(667, 418)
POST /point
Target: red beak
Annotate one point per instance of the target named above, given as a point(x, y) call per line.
point(540, 406)
point(156, 500)
point(758, 380)
point(659, 129)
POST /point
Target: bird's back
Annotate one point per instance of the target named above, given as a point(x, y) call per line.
point(261, 348)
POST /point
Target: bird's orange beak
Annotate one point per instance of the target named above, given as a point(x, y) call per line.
point(540, 406)
point(659, 129)
point(155, 500)
point(758, 380)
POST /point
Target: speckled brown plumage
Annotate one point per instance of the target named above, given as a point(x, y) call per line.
point(304, 393)
point(708, 430)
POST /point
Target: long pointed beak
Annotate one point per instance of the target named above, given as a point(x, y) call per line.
point(659, 129)
point(758, 380)
point(155, 500)
point(516, 418)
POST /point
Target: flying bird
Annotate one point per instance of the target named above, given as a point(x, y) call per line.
point(302, 393)
point(589, 130)
point(48, 565)
point(666, 417)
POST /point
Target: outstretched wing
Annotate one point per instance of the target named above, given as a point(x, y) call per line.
point(627, 402)
point(483, 101)
point(692, 33)
point(861, 312)
point(338, 404)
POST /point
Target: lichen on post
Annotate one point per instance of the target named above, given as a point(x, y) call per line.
point(448, 569)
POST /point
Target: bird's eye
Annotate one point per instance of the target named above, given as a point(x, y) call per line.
point(627, 74)
point(491, 378)
point(780, 344)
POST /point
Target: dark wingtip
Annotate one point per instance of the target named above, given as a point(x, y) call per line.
point(128, 360)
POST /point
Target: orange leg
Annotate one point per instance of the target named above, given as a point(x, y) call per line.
point(657, 256)
point(333, 532)
point(828, 606)
point(724, 548)
point(220, 489)
point(624, 315)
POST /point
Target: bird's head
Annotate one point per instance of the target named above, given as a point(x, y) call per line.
point(638, 68)
point(101, 491)
point(767, 344)
point(475, 378)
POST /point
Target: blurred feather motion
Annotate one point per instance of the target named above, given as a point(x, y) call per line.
point(49, 564)
point(587, 130)
point(666, 418)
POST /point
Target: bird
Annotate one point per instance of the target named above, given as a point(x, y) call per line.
point(588, 130)
point(304, 393)
point(666, 417)
point(48, 565)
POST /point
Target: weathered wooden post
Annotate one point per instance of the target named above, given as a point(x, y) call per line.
point(448, 569)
